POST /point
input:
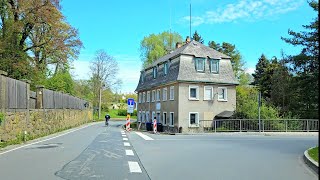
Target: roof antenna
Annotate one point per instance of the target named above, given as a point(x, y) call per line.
point(190, 20)
point(170, 40)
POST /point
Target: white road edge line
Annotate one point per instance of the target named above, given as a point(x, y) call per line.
point(45, 139)
point(126, 144)
point(129, 153)
point(125, 139)
point(145, 137)
point(134, 167)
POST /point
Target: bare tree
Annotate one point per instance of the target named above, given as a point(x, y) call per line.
point(104, 70)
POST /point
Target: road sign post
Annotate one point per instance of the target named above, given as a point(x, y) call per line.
point(155, 125)
point(128, 123)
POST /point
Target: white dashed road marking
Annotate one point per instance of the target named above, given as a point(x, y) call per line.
point(129, 153)
point(126, 144)
point(145, 137)
point(134, 167)
point(125, 139)
point(123, 135)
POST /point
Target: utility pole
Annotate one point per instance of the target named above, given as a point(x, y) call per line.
point(259, 104)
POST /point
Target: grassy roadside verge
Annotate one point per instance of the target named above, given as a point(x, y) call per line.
point(314, 153)
point(113, 114)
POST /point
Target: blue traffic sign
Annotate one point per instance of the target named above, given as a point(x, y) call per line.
point(130, 101)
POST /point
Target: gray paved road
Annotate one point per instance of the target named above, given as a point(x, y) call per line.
point(95, 152)
point(98, 152)
point(224, 157)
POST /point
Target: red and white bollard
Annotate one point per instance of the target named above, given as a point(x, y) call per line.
point(128, 123)
point(155, 126)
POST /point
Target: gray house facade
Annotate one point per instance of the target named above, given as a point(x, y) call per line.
point(181, 89)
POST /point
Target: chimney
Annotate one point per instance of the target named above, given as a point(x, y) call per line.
point(188, 39)
point(178, 44)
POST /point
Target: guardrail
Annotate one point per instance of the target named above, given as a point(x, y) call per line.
point(265, 125)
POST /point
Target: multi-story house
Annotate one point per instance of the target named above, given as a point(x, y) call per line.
point(188, 85)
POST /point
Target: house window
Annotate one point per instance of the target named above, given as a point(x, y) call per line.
point(158, 94)
point(194, 92)
point(164, 118)
point(154, 72)
point(164, 94)
point(171, 92)
point(171, 122)
point(142, 77)
point(153, 95)
point(200, 62)
point(143, 116)
point(147, 117)
point(140, 97)
point(207, 93)
point(222, 94)
point(148, 96)
point(214, 66)
point(193, 119)
point(144, 97)
point(165, 68)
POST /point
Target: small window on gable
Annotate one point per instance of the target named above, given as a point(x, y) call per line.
point(155, 72)
point(200, 64)
point(142, 77)
point(214, 66)
point(165, 68)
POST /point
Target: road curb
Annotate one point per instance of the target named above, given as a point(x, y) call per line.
point(310, 162)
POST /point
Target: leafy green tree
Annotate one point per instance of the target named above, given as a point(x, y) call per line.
point(261, 76)
point(61, 81)
point(197, 37)
point(236, 58)
point(305, 66)
point(154, 46)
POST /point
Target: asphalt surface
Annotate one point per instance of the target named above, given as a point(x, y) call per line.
point(99, 152)
point(224, 157)
point(94, 152)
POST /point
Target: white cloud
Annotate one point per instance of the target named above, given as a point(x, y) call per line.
point(248, 10)
point(129, 71)
point(250, 70)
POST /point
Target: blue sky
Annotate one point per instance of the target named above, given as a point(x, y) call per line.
point(255, 27)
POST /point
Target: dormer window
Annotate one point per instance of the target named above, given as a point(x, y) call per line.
point(200, 62)
point(165, 68)
point(214, 66)
point(142, 77)
point(155, 72)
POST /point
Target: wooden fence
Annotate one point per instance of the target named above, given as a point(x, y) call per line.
point(16, 95)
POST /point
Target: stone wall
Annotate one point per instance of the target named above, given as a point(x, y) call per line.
point(39, 122)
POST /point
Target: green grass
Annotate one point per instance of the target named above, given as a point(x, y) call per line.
point(113, 114)
point(313, 153)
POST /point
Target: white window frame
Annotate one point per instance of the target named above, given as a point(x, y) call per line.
point(164, 94)
point(147, 116)
point(196, 63)
point(196, 120)
point(144, 97)
point(158, 119)
point(153, 95)
point(140, 97)
point(155, 72)
point(204, 93)
point(139, 116)
point(143, 116)
point(217, 65)
point(164, 119)
point(171, 120)
point(197, 92)
point(148, 96)
point(158, 94)
point(165, 68)
point(153, 115)
point(171, 93)
point(226, 94)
